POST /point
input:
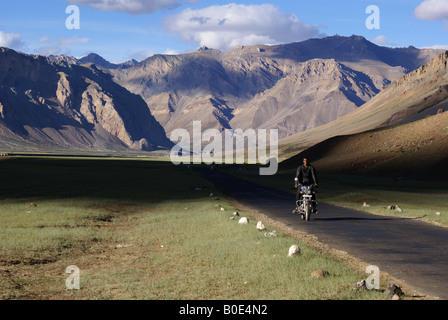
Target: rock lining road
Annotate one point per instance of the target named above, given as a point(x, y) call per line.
point(409, 250)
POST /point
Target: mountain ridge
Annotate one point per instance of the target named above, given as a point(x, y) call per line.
point(293, 88)
point(72, 106)
point(241, 76)
point(421, 93)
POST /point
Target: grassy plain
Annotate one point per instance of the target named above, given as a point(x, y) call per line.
point(140, 229)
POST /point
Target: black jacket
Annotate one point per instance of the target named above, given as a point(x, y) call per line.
point(306, 175)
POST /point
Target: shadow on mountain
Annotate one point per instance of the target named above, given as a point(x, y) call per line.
point(73, 106)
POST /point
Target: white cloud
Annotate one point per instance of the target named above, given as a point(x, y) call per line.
point(380, 40)
point(432, 10)
point(171, 52)
point(10, 40)
point(61, 46)
point(141, 55)
point(130, 6)
point(383, 41)
point(145, 54)
point(224, 27)
point(66, 42)
point(438, 46)
point(44, 39)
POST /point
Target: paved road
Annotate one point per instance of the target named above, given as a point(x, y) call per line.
point(408, 249)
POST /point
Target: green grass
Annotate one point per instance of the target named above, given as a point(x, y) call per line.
point(207, 256)
point(418, 199)
point(139, 230)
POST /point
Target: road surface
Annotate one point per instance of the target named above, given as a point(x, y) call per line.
point(408, 249)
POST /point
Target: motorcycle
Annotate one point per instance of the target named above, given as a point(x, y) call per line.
point(306, 204)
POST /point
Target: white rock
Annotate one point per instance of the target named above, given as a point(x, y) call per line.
point(118, 246)
point(260, 226)
point(294, 250)
point(437, 213)
point(222, 209)
point(243, 220)
point(236, 214)
point(360, 285)
point(365, 204)
point(270, 234)
point(397, 208)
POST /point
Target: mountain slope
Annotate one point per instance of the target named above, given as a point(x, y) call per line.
point(416, 149)
point(354, 49)
point(63, 101)
point(310, 95)
point(94, 58)
point(292, 87)
point(416, 95)
point(71, 106)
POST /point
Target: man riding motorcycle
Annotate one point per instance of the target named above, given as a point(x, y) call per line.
point(305, 176)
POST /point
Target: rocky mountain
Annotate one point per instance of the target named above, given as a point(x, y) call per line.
point(94, 104)
point(355, 49)
point(293, 88)
point(63, 105)
point(418, 94)
point(104, 64)
point(95, 59)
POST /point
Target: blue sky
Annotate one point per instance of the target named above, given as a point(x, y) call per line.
point(123, 29)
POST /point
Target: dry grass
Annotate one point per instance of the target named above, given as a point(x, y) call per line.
point(139, 230)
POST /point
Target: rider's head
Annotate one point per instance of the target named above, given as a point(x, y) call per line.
point(305, 161)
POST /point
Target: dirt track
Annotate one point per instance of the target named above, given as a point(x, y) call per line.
point(412, 251)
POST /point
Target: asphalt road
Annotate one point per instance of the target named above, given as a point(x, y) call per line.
point(408, 249)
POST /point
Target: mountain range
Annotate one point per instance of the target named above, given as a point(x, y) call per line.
point(292, 88)
point(61, 105)
point(92, 104)
point(415, 96)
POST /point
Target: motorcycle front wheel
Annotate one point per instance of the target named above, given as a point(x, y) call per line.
point(307, 212)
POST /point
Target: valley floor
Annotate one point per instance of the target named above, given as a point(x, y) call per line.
point(146, 230)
